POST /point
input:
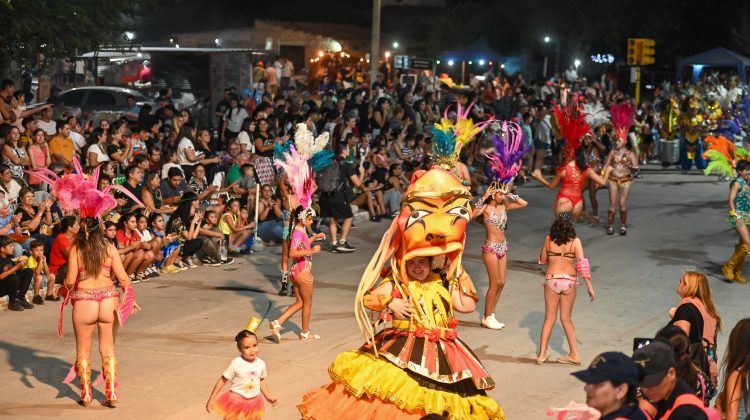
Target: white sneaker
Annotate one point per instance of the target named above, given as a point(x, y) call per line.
point(492, 323)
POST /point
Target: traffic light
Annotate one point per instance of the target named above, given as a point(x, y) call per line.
point(647, 51)
point(635, 46)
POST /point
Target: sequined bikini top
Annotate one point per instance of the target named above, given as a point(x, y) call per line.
point(498, 222)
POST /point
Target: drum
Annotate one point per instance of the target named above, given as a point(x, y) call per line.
point(669, 151)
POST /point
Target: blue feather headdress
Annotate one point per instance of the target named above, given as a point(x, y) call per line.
point(505, 161)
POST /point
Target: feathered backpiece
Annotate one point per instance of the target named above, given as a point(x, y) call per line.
point(299, 174)
point(321, 160)
point(450, 137)
point(77, 192)
point(622, 118)
point(723, 156)
point(596, 114)
point(505, 161)
point(305, 144)
point(573, 126)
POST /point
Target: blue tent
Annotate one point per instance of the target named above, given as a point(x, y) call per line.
point(718, 57)
point(481, 50)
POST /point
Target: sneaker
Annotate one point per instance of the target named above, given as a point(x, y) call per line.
point(141, 277)
point(227, 261)
point(37, 300)
point(152, 274)
point(180, 265)
point(25, 304)
point(208, 261)
point(15, 306)
point(134, 279)
point(189, 262)
point(52, 298)
point(345, 247)
point(375, 219)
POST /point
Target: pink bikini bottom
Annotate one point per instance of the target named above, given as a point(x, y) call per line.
point(96, 295)
point(560, 283)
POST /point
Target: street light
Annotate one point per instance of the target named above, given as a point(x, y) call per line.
point(437, 62)
point(577, 63)
point(481, 62)
point(128, 35)
point(395, 45)
point(546, 39)
point(387, 54)
point(320, 53)
point(450, 62)
point(217, 42)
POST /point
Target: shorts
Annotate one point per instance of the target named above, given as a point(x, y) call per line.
point(339, 210)
point(538, 145)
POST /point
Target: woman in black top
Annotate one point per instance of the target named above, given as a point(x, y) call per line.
point(33, 218)
point(263, 140)
point(185, 221)
point(270, 226)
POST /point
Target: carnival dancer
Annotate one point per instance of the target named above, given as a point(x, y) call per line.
point(504, 162)
point(739, 216)
point(92, 264)
point(691, 144)
point(300, 177)
point(623, 162)
point(574, 172)
point(416, 364)
point(248, 387)
point(594, 150)
point(563, 254)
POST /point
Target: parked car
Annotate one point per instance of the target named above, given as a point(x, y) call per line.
point(96, 102)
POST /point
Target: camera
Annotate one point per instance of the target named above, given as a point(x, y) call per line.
point(641, 342)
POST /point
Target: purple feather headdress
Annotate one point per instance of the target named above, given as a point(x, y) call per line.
point(505, 161)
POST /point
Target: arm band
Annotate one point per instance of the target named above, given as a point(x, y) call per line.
point(376, 302)
point(583, 268)
point(512, 197)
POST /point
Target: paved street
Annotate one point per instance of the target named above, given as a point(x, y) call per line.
point(172, 353)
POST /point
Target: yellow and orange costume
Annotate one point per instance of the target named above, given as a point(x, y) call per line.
point(416, 365)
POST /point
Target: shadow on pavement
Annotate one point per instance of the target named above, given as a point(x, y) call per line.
point(533, 320)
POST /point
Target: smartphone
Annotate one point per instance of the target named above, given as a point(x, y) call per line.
point(641, 342)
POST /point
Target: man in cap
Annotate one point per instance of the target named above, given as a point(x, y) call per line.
point(672, 398)
point(611, 382)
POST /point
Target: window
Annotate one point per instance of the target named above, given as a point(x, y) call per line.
point(72, 98)
point(100, 98)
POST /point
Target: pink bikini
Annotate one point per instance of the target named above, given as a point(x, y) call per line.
point(300, 242)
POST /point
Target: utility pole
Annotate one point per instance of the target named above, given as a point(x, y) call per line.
point(375, 41)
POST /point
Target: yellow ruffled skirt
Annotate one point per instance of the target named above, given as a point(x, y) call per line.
point(368, 387)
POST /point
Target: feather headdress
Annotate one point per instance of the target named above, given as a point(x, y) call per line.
point(622, 118)
point(77, 192)
point(299, 174)
point(596, 114)
point(573, 126)
point(304, 142)
point(449, 137)
point(505, 161)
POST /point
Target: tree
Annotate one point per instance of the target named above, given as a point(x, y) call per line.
point(55, 28)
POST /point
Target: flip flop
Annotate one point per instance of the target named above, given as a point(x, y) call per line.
point(542, 360)
point(567, 360)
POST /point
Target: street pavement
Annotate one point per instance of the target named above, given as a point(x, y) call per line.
point(172, 352)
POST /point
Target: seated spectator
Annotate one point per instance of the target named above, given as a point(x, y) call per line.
point(153, 241)
point(14, 278)
point(151, 195)
point(96, 148)
point(270, 225)
point(133, 185)
point(686, 368)
point(170, 247)
point(372, 196)
point(235, 232)
point(611, 385)
point(136, 254)
point(154, 159)
point(210, 160)
point(39, 157)
point(212, 238)
point(397, 185)
point(14, 154)
point(35, 220)
point(61, 147)
point(9, 186)
point(37, 263)
point(185, 222)
point(199, 185)
point(119, 148)
point(10, 226)
point(235, 172)
point(246, 186)
point(58, 257)
point(173, 187)
point(661, 385)
point(244, 139)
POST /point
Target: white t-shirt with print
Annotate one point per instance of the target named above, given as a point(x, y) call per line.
point(182, 159)
point(244, 377)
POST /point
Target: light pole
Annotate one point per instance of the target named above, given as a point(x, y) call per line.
point(375, 41)
point(544, 66)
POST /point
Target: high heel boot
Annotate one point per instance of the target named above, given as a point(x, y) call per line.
point(623, 222)
point(738, 277)
point(730, 267)
point(83, 367)
point(610, 222)
point(109, 368)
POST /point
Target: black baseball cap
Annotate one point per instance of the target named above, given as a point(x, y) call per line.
point(611, 366)
point(655, 358)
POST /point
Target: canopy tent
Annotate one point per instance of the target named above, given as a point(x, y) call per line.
point(481, 51)
point(718, 57)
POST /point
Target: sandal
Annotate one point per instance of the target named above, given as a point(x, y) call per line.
point(610, 230)
point(567, 360)
point(594, 220)
point(542, 360)
point(276, 330)
point(623, 231)
point(308, 336)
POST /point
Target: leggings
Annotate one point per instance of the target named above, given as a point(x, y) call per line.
point(190, 247)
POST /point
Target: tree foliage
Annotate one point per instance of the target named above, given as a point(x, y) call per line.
point(59, 28)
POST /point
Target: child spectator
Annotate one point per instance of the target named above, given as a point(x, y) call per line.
point(37, 263)
point(14, 278)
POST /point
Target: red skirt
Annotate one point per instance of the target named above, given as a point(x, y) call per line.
point(234, 406)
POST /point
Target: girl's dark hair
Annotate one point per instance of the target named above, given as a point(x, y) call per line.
point(93, 138)
point(124, 220)
point(743, 165)
point(243, 335)
point(736, 358)
point(182, 213)
point(562, 231)
point(392, 168)
point(581, 159)
point(186, 131)
point(152, 218)
point(147, 180)
point(65, 224)
point(294, 218)
point(680, 343)
point(91, 245)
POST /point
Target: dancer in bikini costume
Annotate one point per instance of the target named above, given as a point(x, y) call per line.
point(594, 150)
point(93, 262)
point(504, 162)
point(739, 211)
point(624, 165)
point(413, 362)
point(574, 171)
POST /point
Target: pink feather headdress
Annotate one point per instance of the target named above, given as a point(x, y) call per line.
point(622, 118)
point(77, 192)
point(299, 174)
